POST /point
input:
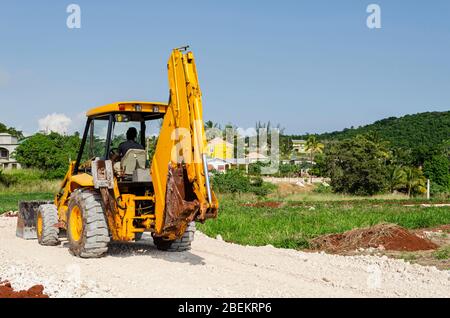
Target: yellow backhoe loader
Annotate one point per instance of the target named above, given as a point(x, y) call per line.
point(115, 191)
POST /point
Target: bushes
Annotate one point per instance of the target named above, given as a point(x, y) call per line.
point(235, 181)
point(26, 175)
point(7, 180)
point(437, 170)
point(289, 170)
point(50, 153)
point(26, 181)
point(261, 188)
point(357, 166)
point(323, 189)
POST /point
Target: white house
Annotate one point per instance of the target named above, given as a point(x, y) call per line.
point(299, 146)
point(8, 145)
point(254, 157)
point(218, 164)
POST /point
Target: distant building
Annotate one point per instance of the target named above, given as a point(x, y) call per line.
point(8, 145)
point(219, 165)
point(299, 146)
point(220, 149)
point(254, 157)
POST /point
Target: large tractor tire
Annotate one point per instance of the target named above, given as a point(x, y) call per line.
point(46, 225)
point(87, 228)
point(179, 245)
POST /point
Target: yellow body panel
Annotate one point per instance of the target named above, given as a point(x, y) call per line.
point(81, 180)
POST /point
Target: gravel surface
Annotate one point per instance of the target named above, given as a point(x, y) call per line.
point(212, 268)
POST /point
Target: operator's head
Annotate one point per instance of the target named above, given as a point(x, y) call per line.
point(131, 133)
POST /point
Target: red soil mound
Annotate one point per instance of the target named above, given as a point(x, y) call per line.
point(389, 236)
point(36, 291)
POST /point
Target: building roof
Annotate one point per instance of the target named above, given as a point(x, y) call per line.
point(218, 141)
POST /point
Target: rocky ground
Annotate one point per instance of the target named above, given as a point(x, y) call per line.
point(212, 268)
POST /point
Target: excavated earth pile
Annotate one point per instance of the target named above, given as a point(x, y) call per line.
point(385, 236)
point(6, 291)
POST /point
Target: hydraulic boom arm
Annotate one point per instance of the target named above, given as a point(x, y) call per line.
point(179, 168)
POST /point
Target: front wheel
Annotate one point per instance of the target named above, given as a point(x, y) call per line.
point(47, 225)
point(87, 228)
point(180, 245)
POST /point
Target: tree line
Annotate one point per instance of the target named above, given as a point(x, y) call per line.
point(367, 165)
point(364, 161)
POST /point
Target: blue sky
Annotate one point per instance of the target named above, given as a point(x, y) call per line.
point(311, 66)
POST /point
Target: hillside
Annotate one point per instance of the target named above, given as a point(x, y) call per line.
point(410, 131)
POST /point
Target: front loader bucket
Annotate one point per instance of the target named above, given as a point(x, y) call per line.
point(26, 220)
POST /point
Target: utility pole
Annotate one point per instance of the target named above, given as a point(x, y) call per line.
point(428, 189)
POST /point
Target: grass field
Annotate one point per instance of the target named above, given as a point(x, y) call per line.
point(29, 185)
point(301, 216)
point(294, 223)
point(29, 181)
point(10, 201)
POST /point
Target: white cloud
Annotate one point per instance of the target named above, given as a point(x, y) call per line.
point(249, 132)
point(59, 123)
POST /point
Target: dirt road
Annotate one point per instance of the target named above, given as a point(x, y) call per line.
point(212, 268)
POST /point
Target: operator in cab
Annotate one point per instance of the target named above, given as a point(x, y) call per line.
point(130, 143)
point(124, 147)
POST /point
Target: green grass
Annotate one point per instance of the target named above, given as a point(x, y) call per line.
point(408, 256)
point(29, 181)
point(10, 201)
point(292, 226)
point(29, 184)
point(301, 218)
point(312, 196)
point(442, 253)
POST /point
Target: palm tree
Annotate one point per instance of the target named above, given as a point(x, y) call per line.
point(397, 178)
point(209, 124)
point(212, 130)
point(414, 180)
point(313, 146)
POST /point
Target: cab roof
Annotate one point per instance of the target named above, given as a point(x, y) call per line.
point(129, 107)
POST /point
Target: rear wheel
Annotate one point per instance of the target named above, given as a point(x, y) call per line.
point(87, 228)
point(179, 245)
point(47, 225)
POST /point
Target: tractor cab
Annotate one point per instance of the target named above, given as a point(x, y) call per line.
point(105, 137)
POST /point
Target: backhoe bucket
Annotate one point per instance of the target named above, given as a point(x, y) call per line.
point(26, 221)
